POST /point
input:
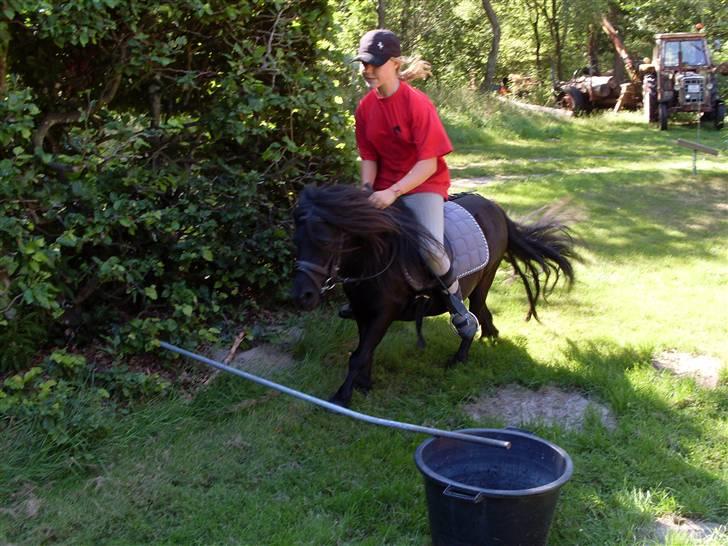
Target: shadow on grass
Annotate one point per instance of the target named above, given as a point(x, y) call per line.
point(650, 452)
point(623, 479)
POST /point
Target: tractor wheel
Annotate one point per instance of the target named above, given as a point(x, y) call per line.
point(719, 115)
point(663, 114)
point(575, 101)
point(649, 98)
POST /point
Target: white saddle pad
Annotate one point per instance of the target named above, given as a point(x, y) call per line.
point(465, 244)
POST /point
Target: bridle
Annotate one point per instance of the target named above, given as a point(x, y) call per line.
point(327, 276)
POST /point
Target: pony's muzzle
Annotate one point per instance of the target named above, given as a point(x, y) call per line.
point(304, 293)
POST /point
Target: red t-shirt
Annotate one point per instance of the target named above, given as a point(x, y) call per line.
point(397, 132)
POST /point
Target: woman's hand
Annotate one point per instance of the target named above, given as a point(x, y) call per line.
point(383, 198)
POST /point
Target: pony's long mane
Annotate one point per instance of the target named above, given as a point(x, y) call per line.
point(382, 234)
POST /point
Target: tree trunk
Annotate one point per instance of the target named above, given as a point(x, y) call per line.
point(554, 26)
point(4, 45)
point(557, 40)
point(592, 51)
point(495, 44)
point(405, 16)
point(621, 52)
point(537, 39)
point(380, 13)
point(534, 16)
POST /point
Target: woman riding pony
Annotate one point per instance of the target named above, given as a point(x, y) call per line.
point(402, 144)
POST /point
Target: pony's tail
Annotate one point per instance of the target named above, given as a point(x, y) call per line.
point(541, 252)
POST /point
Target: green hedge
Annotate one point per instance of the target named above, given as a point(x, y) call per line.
point(149, 156)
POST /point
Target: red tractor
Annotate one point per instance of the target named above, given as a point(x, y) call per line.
point(681, 78)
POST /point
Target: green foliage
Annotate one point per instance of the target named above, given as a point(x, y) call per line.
point(68, 404)
point(426, 29)
point(149, 157)
point(539, 38)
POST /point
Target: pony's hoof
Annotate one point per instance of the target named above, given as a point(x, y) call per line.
point(340, 401)
point(363, 387)
point(493, 340)
point(345, 312)
point(490, 332)
point(453, 361)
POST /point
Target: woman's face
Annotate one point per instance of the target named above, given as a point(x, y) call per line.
point(383, 78)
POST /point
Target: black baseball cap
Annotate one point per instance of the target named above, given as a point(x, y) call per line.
point(378, 46)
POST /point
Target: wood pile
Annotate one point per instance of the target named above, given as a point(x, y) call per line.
point(630, 97)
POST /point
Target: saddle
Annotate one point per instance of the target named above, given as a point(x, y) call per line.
point(465, 245)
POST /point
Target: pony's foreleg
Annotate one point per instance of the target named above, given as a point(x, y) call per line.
point(360, 362)
point(463, 351)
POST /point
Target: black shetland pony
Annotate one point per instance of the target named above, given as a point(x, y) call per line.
point(341, 238)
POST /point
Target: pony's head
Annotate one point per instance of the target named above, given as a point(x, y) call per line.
point(330, 223)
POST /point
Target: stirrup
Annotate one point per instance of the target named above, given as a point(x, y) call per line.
point(345, 312)
point(465, 325)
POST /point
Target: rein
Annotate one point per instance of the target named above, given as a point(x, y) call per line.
point(330, 271)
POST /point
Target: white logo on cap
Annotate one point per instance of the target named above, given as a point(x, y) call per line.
point(380, 45)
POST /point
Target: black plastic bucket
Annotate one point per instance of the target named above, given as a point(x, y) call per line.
point(481, 495)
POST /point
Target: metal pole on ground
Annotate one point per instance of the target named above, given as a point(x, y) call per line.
point(333, 407)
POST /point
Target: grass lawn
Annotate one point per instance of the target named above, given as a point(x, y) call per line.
point(236, 465)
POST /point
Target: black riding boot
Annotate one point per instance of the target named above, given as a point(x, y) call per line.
point(464, 322)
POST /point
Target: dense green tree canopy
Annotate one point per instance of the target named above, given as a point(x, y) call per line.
point(149, 156)
point(538, 36)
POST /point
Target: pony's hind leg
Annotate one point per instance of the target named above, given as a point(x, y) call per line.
point(479, 307)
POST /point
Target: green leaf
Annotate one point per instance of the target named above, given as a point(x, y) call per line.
point(32, 374)
point(14, 383)
point(68, 238)
point(151, 292)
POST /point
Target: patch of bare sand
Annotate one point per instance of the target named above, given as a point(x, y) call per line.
point(517, 405)
point(262, 360)
point(703, 531)
point(26, 505)
point(704, 369)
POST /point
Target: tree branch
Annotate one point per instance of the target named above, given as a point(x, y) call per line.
point(108, 94)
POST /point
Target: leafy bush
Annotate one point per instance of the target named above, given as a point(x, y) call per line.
point(68, 402)
point(149, 157)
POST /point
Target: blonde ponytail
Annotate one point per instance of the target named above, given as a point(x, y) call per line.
point(413, 68)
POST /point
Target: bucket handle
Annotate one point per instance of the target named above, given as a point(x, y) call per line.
point(452, 491)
